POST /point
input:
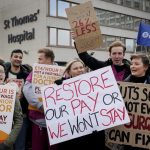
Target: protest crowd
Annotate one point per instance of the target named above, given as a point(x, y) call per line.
point(29, 127)
point(87, 104)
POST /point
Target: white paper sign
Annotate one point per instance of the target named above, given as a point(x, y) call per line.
point(7, 101)
point(45, 75)
point(82, 105)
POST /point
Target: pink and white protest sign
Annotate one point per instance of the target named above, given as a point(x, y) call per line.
point(82, 105)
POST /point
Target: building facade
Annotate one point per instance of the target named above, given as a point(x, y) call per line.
point(30, 25)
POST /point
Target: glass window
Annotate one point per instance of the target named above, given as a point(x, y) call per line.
point(60, 37)
point(101, 16)
point(129, 23)
point(63, 37)
point(118, 38)
point(122, 39)
point(53, 36)
point(61, 8)
point(109, 40)
point(128, 3)
point(137, 4)
point(53, 7)
point(110, 19)
point(141, 49)
point(122, 22)
point(120, 2)
point(118, 20)
point(57, 7)
point(129, 45)
point(143, 5)
point(147, 5)
point(136, 23)
point(103, 46)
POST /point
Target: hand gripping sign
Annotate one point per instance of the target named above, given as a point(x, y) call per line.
point(85, 26)
point(82, 105)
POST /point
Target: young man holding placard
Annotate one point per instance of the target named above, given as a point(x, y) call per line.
point(36, 113)
point(120, 66)
point(16, 72)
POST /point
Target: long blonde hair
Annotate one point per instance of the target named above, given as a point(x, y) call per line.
point(70, 63)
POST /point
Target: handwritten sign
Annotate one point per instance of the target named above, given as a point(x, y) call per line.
point(136, 133)
point(7, 101)
point(84, 26)
point(45, 75)
point(82, 105)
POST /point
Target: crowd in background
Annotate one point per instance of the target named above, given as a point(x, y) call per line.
point(29, 126)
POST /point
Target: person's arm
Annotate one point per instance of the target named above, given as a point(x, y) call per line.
point(17, 124)
point(30, 96)
point(90, 61)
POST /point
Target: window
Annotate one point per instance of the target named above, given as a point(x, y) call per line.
point(101, 15)
point(147, 5)
point(136, 23)
point(108, 39)
point(143, 5)
point(130, 45)
point(137, 4)
point(103, 46)
point(57, 8)
point(117, 20)
point(63, 37)
point(106, 18)
point(141, 49)
point(129, 23)
point(61, 8)
point(128, 3)
point(60, 37)
point(53, 34)
point(53, 7)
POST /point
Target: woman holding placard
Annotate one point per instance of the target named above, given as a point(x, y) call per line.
point(94, 141)
point(139, 74)
point(17, 119)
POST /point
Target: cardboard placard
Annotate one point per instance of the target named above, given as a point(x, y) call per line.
point(85, 26)
point(136, 133)
point(82, 105)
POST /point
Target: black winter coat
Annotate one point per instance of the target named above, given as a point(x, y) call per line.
point(94, 64)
